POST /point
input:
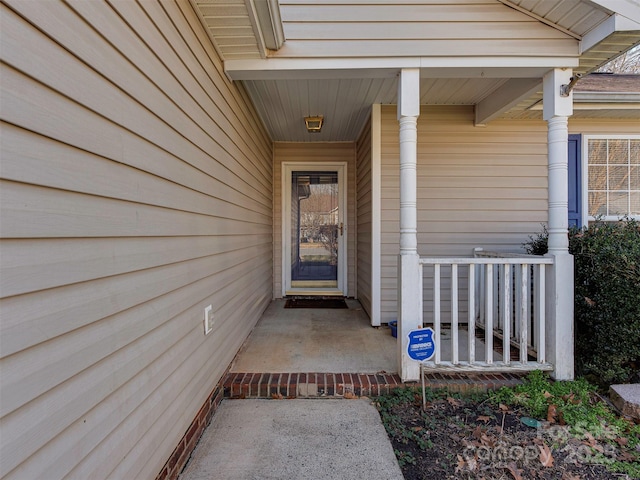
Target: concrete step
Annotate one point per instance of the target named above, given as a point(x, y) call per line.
point(626, 398)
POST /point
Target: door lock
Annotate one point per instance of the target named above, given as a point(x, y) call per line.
point(341, 228)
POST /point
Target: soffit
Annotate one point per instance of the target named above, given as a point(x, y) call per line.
point(346, 103)
point(230, 26)
point(575, 16)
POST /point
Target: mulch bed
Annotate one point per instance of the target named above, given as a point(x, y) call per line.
point(462, 439)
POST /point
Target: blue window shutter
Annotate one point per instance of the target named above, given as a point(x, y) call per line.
point(575, 181)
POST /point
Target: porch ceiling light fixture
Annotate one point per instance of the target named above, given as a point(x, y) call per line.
point(314, 124)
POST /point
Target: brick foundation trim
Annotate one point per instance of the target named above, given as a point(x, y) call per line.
point(322, 385)
point(181, 454)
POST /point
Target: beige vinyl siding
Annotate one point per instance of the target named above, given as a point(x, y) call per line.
point(477, 187)
point(136, 190)
point(313, 153)
point(462, 28)
point(364, 204)
point(609, 126)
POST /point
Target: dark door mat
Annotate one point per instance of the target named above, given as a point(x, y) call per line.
point(315, 303)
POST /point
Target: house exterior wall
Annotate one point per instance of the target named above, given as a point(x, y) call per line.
point(364, 202)
point(136, 190)
point(605, 126)
point(477, 187)
point(313, 152)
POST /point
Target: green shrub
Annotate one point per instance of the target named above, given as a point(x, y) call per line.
point(607, 298)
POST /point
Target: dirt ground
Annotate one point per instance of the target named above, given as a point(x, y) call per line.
point(458, 438)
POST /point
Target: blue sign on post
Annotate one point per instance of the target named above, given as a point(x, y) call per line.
point(421, 345)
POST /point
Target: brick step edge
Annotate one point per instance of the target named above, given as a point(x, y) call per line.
point(340, 385)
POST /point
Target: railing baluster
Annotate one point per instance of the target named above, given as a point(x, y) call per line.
point(436, 310)
point(421, 293)
point(541, 314)
point(506, 314)
point(488, 324)
point(535, 303)
point(482, 286)
point(454, 313)
point(524, 321)
point(471, 327)
point(497, 298)
point(506, 294)
point(529, 291)
point(517, 300)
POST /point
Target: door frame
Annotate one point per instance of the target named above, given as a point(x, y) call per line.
point(287, 169)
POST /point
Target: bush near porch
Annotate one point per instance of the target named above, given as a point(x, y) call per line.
point(607, 298)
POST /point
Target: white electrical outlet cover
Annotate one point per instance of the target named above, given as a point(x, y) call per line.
point(208, 319)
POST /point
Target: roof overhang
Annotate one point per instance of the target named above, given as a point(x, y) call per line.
point(628, 8)
point(430, 67)
point(313, 71)
point(602, 101)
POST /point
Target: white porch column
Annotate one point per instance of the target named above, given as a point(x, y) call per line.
point(559, 341)
point(409, 294)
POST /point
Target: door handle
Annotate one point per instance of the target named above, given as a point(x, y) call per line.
point(341, 228)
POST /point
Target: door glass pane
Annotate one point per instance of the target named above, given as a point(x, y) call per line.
point(314, 229)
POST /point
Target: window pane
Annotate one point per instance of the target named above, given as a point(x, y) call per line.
point(597, 151)
point(597, 178)
point(635, 203)
point(635, 152)
point(618, 203)
point(635, 177)
point(597, 203)
point(618, 178)
point(619, 152)
point(613, 177)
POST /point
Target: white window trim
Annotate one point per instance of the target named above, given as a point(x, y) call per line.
point(586, 218)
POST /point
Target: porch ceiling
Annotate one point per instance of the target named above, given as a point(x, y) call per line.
point(309, 76)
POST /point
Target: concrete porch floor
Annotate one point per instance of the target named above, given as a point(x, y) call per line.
point(288, 340)
point(311, 353)
point(292, 340)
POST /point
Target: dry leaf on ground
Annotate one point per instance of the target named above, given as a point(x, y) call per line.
point(545, 455)
point(570, 476)
point(515, 472)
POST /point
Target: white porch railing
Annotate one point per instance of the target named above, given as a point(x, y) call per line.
point(502, 294)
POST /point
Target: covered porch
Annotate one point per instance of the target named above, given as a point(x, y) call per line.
point(442, 150)
point(300, 352)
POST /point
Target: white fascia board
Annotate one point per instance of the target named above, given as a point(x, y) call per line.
point(504, 98)
point(266, 15)
point(606, 97)
point(434, 67)
point(602, 101)
point(606, 106)
point(615, 23)
point(627, 8)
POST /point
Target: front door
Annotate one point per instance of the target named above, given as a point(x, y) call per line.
point(314, 229)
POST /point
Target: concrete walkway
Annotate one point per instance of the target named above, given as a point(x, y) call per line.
point(294, 439)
